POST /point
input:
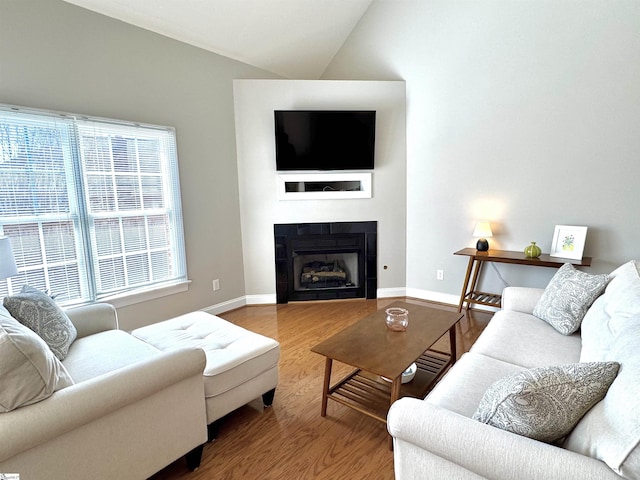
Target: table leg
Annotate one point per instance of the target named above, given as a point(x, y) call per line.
point(452, 343)
point(476, 274)
point(395, 395)
point(395, 389)
point(465, 284)
point(325, 387)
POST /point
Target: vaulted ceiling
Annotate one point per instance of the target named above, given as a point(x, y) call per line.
point(292, 38)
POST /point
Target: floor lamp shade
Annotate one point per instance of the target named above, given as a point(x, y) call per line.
point(7, 261)
point(483, 231)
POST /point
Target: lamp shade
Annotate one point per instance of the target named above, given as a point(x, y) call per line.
point(7, 261)
point(483, 230)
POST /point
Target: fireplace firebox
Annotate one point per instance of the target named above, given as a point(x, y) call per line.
point(324, 261)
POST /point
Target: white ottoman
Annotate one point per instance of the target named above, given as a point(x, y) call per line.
point(241, 365)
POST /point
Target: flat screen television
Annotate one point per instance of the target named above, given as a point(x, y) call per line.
point(325, 139)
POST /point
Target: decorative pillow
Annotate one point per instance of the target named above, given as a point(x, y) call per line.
point(610, 431)
point(29, 372)
point(39, 312)
point(567, 298)
point(609, 315)
point(622, 291)
point(622, 276)
point(545, 403)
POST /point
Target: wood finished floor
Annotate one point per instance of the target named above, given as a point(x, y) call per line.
point(290, 440)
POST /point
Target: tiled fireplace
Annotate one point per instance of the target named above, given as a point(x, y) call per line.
point(324, 261)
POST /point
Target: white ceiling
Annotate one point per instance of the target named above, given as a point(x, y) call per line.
point(292, 38)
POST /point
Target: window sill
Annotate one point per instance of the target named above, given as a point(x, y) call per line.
point(126, 299)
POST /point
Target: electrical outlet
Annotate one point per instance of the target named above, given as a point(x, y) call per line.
point(216, 284)
point(440, 274)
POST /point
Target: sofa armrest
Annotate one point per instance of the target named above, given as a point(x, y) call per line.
point(93, 318)
point(85, 402)
point(480, 449)
point(521, 299)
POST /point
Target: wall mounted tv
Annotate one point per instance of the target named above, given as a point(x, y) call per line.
point(325, 139)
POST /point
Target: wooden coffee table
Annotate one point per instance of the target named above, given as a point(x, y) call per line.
point(377, 352)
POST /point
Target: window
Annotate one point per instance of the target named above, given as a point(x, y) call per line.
point(92, 206)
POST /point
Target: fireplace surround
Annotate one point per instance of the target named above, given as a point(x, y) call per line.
point(325, 261)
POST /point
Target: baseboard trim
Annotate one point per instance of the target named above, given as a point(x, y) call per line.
point(226, 306)
point(267, 299)
point(440, 297)
point(433, 296)
point(391, 292)
point(270, 299)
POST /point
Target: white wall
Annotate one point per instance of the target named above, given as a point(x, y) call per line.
point(260, 209)
point(525, 112)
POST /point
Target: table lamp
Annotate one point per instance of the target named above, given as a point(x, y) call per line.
point(483, 231)
point(7, 261)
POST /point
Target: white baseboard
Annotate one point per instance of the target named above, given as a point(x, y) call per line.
point(267, 299)
point(264, 299)
point(226, 306)
point(270, 299)
point(440, 297)
point(433, 296)
point(392, 292)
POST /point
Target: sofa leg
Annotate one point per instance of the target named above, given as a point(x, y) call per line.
point(213, 429)
point(193, 458)
point(267, 398)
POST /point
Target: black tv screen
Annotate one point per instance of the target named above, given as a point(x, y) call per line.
point(325, 139)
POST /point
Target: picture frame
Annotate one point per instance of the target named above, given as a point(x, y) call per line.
point(568, 242)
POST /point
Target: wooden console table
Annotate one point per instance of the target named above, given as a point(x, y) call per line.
point(476, 259)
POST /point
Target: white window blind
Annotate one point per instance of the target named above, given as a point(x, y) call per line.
point(92, 206)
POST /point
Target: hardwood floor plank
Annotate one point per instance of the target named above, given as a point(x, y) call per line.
point(290, 440)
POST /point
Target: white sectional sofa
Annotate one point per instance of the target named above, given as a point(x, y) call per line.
point(438, 437)
point(128, 411)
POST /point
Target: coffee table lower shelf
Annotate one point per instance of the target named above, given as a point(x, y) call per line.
point(370, 394)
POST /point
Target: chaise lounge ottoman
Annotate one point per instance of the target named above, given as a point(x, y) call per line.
point(240, 365)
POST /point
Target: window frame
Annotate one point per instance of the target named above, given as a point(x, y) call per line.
point(83, 220)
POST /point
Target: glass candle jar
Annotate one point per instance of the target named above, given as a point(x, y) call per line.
point(397, 319)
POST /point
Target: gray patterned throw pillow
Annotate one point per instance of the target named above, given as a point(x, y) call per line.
point(39, 312)
point(567, 298)
point(545, 403)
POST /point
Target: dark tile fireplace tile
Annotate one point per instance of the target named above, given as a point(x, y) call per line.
point(330, 239)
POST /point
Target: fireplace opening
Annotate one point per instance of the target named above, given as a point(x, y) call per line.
point(322, 261)
point(335, 270)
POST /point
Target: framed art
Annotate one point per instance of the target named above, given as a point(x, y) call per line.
point(568, 242)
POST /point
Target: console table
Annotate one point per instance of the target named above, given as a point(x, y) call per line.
point(476, 259)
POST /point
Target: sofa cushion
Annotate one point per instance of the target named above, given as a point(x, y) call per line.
point(567, 298)
point(105, 352)
point(521, 299)
point(519, 338)
point(546, 403)
point(610, 431)
point(611, 313)
point(39, 312)
point(463, 386)
point(29, 372)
